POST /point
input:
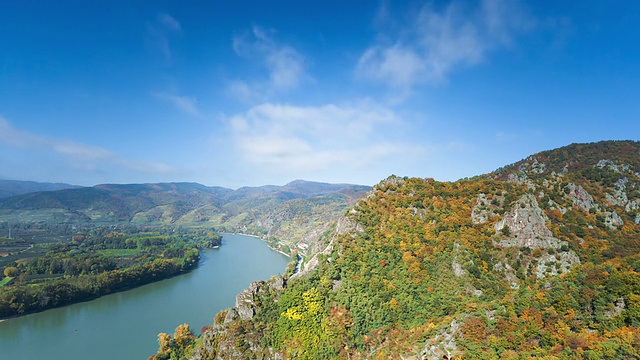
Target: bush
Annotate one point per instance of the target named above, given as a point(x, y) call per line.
point(11, 271)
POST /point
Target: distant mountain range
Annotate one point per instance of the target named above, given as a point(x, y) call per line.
point(260, 210)
point(16, 187)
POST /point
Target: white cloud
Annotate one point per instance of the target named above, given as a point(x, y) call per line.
point(169, 22)
point(289, 138)
point(437, 41)
point(186, 104)
point(396, 64)
point(78, 151)
point(14, 137)
point(244, 92)
point(285, 66)
point(161, 30)
point(76, 155)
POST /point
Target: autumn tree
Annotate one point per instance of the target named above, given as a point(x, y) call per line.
point(183, 336)
point(11, 271)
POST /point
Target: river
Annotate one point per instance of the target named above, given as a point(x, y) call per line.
point(125, 325)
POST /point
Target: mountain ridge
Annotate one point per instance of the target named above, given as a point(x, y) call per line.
point(65, 197)
point(266, 211)
point(10, 188)
point(538, 259)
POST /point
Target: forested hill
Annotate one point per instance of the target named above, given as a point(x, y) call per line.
point(267, 211)
point(539, 259)
point(10, 188)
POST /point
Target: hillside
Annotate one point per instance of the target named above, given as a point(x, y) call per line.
point(10, 188)
point(119, 203)
point(268, 211)
point(295, 215)
point(539, 259)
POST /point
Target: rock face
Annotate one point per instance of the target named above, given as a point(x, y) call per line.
point(509, 274)
point(216, 345)
point(345, 225)
point(245, 301)
point(551, 265)
point(581, 197)
point(612, 219)
point(442, 345)
point(480, 212)
point(620, 305)
point(606, 163)
point(457, 268)
point(521, 179)
point(526, 224)
point(348, 226)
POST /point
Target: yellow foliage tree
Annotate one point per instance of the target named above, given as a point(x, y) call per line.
point(183, 336)
point(11, 271)
point(165, 342)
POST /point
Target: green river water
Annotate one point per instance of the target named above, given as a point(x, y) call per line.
point(125, 325)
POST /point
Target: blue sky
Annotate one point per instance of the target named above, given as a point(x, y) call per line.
point(237, 93)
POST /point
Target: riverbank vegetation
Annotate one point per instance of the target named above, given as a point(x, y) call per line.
point(95, 262)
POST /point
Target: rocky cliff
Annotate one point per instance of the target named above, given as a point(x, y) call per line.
point(538, 259)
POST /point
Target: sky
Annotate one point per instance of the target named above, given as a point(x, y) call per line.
point(247, 93)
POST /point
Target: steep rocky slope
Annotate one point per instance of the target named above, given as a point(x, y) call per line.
point(295, 216)
point(539, 259)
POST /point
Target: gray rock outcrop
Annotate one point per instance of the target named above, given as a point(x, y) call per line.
point(443, 344)
point(551, 265)
point(480, 212)
point(527, 226)
point(458, 271)
point(612, 166)
point(580, 197)
point(245, 307)
point(620, 305)
point(612, 219)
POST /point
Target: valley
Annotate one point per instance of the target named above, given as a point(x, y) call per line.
point(77, 244)
point(537, 259)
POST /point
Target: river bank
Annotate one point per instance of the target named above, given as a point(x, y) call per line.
point(24, 300)
point(129, 321)
point(261, 239)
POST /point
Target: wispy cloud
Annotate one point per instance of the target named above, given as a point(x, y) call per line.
point(294, 138)
point(245, 92)
point(504, 136)
point(160, 31)
point(435, 42)
point(186, 104)
point(14, 137)
point(169, 22)
point(76, 155)
point(285, 66)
